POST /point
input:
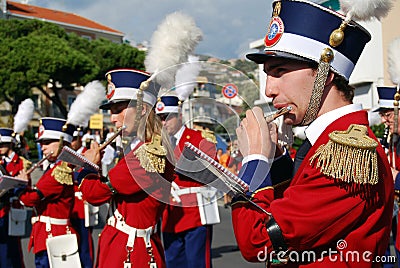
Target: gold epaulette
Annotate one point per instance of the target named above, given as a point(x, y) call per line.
point(63, 174)
point(152, 155)
point(349, 156)
point(26, 163)
point(208, 135)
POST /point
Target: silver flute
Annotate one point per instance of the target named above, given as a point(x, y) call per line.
point(38, 164)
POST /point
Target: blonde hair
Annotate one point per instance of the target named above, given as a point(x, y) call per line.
point(150, 125)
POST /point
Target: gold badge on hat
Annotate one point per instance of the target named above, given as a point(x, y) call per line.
point(275, 28)
point(110, 87)
point(349, 156)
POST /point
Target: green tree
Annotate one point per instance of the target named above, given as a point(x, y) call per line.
point(35, 54)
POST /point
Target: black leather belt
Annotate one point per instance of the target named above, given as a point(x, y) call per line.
point(275, 235)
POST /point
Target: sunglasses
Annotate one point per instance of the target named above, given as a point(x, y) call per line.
point(47, 142)
point(166, 117)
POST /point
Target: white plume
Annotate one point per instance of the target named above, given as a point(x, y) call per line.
point(86, 104)
point(366, 9)
point(394, 60)
point(186, 77)
point(174, 39)
point(24, 115)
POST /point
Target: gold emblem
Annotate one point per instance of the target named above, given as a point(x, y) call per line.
point(277, 9)
point(110, 87)
point(63, 174)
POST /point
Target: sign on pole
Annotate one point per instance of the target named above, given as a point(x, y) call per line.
point(230, 91)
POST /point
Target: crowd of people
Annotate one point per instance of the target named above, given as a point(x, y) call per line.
point(335, 201)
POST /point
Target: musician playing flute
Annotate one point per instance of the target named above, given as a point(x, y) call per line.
point(342, 190)
point(11, 164)
point(52, 198)
point(138, 185)
point(387, 114)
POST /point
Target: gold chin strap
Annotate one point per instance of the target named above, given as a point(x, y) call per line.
point(319, 85)
point(60, 145)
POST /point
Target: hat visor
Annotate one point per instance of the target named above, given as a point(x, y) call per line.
point(262, 57)
point(107, 106)
point(378, 109)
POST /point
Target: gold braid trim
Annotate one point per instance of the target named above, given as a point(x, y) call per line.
point(319, 85)
point(63, 174)
point(349, 156)
point(152, 155)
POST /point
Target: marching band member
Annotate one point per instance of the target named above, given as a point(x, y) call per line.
point(53, 196)
point(138, 185)
point(79, 113)
point(187, 234)
point(340, 199)
point(386, 112)
point(86, 246)
point(12, 164)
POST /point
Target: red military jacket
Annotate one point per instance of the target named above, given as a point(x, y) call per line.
point(15, 165)
point(393, 157)
point(317, 212)
point(179, 217)
point(140, 199)
point(13, 168)
point(53, 197)
point(78, 210)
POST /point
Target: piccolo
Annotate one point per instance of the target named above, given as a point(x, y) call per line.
point(39, 163)
point(282, 111)
point(113, 137)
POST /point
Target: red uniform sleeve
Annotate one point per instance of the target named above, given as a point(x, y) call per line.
point(249, 224)
point(95, 191)
point(47, 187)
point(127, 177)
point(30, 197)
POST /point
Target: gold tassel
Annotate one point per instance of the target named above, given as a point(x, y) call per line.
point(63, 174)
point(349, 156)
point(152, 155)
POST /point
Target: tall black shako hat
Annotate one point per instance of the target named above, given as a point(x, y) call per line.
point(307, 31)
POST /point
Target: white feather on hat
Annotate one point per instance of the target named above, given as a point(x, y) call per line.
point(86, 104)
point(186, 77)
point(366, 9)
point(174, 39)
point(24, 115)
point(394, 60)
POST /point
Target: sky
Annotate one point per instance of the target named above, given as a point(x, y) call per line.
point(228, 25)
